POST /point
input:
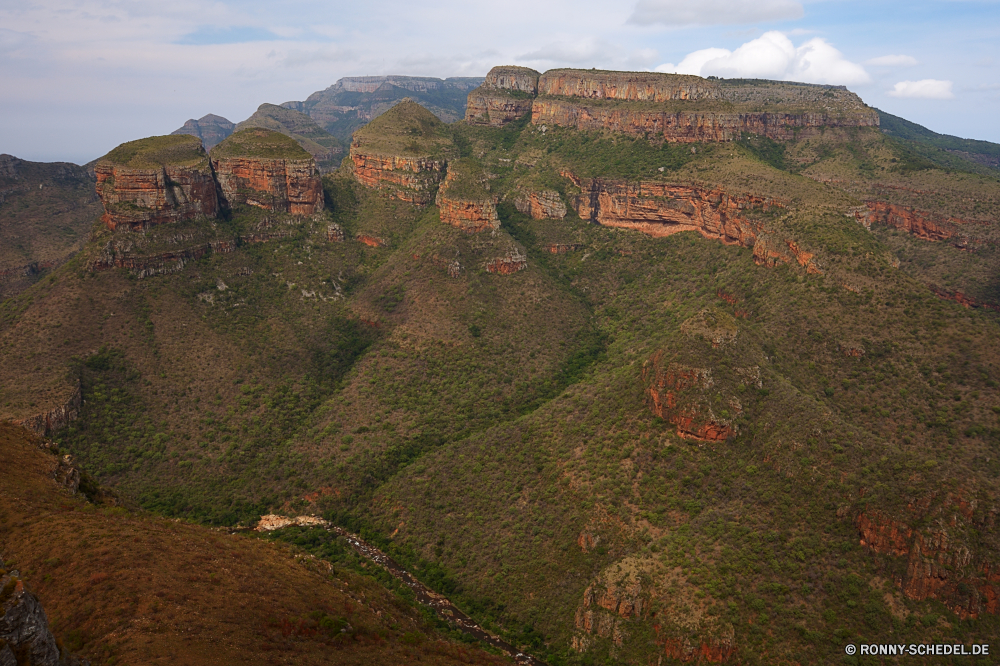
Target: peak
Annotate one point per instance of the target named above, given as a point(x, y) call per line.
point(159, 151)
point(261, 143)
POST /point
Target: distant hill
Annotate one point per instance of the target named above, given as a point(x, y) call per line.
point(981, 152)
point(211, 129)
point(353, 101)
point(47, 210)
point(322, 145)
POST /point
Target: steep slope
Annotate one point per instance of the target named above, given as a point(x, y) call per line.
point(323, 146)
point(47, 210)
point(211, 129)
point(127, 587)
point(704, 407)
point(981, 152)
point(352, 102)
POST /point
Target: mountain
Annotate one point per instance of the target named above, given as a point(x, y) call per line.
point(211, 129)
point(981, 152)
point(46, 210)
point(353, 101)
point(631, 367)
point(324, 147)
point(124, 586)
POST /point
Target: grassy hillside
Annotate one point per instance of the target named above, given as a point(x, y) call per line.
point(260, 142)
point(495, 434)
point(319, 143)
point(120, 586)
point(982, 152)
point(159, 151)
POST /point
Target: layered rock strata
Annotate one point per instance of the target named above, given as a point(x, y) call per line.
point(508, 264)
point(471, 214)
point(137, 198)
point(677, 394)
point(506, 95)
point(541, 204)
point(662, 209)
point(922, 224)
point(937, 566)
point(280, 185)
point(409, 179)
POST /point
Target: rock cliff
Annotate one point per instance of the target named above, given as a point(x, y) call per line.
point(155, 181)
point(211, 129)
point(938, 563)
point(403, 153)
point(679, 394)
point(267, 169)
point(661, 209)
point(465, 198)
point(921, 224)
point(505, 95)
point(540, 204)
point(25, 636)
point(56, 418)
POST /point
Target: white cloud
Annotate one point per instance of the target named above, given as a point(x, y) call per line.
point(923, 89)
point(713, 12)
point(892, 61)
point(773, 56)
point(574, 52)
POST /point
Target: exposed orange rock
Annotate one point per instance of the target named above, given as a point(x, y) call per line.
point(541, 205)
point(139, 198)
point(708, 651)
point(686, 126)
point(508, 264)
point(280, 185)
point(626, 86)
point(469, 216)
point(372, 241)
point(919, 223)
point(409, 179)
point(937, 567)
point(561, 248)
point(505, 95)
point(662, 209)
point(961, 298)
point(676, 393)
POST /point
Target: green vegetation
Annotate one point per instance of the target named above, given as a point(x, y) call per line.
point(314, 139)
point(260, 142)
point(406, 129)
point(904, 129)
point(159, 151)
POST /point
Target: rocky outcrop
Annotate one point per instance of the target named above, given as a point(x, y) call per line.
point(211, 129)
point(280, 185)
point(506, 95)
point(704, 652)
point(371, 240)
point(662, 209)
point(56, 418)
point(540, 204)
point(335, 233)
point(25, 636)
point(508, 264)
point(409, 179)
point(469, 216)
point(686, 126)
point(922, 224)
point(137, 198)
point(683, 396)
point(961, 298)
point(938, 566)
point(626, 86)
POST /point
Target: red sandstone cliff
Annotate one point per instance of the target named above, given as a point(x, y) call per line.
point(280, 185)
point(505, 95)
point(136, 198)
point(937, 565)
point(409, 179)
point(471, 215)
point(626, 86)
point(922, 224)
point(678, 395)
point(687, 126)
point(541, 204)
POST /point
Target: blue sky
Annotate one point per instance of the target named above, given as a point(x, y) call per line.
point(81, 76)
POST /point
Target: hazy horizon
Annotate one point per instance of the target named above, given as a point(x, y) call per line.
point(82, 77)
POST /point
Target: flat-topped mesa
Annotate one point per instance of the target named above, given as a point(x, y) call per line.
point(626, 86)
point(684, 109)
point(157, 180)
point(403, 153)
point(267, 169)
point(506, 95)
point(465, 199)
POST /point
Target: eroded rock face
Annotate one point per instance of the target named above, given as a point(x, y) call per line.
point(687, 126)
point(505, 95)
point(508, 264)
point(56, 418)
point(280, 185)
point(409, 179)
point(662, 209)
point(25, 636)
point(919, 223)
point(541, 204)
point(682, 395)
point(625, 86)
point(938, 566)
point(136, 198)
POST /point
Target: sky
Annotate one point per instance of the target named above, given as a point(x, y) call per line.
point(78, 77)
